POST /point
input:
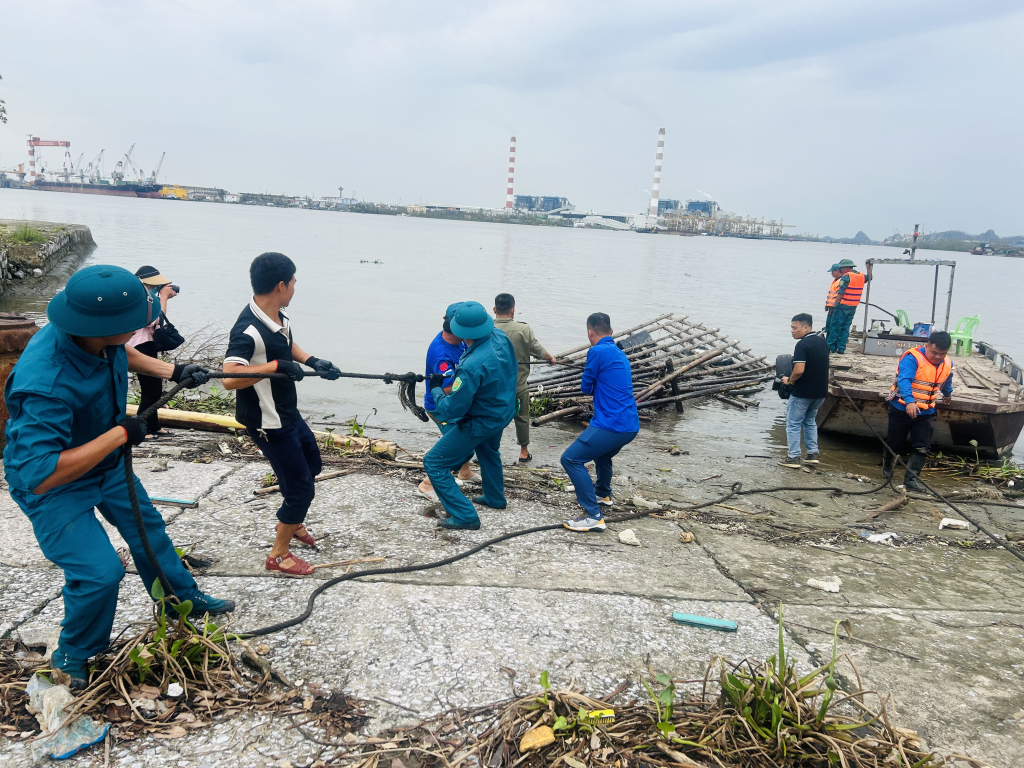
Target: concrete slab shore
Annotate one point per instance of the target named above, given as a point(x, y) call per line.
point(943, 623)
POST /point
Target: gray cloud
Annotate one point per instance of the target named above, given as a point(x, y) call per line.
point(836, 116)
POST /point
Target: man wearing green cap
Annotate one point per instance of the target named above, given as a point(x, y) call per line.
point(63, 457)
point(482, 398)
point(443, 357)
point(848, 295)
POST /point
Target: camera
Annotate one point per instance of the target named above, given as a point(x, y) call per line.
point(175, 288)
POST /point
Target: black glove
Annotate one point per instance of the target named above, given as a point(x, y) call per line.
point(436, 380)
point(135, 428)
point(293, 369)
point(183, 370)
point(326, 368)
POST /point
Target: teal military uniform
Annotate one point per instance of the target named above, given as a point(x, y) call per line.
point(483, 400)
point(61, 397)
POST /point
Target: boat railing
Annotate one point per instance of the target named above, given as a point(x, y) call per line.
point(1002, 361)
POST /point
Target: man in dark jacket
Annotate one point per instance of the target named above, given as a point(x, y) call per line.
point(482, 398)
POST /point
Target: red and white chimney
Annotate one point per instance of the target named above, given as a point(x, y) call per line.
point(656, 186)
point(510, 199)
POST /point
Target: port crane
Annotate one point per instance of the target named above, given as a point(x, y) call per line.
point(152, 177)
point(35, 141)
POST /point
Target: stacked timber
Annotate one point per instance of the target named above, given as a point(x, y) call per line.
point(673, 360)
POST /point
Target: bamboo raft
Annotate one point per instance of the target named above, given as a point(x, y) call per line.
point(672, 360)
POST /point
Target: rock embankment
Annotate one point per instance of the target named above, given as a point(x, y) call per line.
point(30, 249)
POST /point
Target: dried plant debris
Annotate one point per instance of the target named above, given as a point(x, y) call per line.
point(172, 675)
point(749, 714)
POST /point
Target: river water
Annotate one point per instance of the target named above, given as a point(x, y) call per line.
point(374, 318)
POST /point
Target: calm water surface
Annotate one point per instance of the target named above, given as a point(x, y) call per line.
point(380, 317)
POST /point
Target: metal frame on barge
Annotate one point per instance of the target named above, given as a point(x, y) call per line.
point(987, 407)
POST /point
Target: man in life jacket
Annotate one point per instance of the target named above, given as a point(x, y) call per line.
point(833, 290)
point(923, 373)
point(848, 294)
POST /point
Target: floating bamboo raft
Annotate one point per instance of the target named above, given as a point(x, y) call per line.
point(672, 360)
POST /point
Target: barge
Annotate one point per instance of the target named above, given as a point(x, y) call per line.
point(985, 414)
point(987, 404)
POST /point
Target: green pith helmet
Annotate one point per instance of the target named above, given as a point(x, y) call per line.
point(834, 267)
point(452, 309)
point(472, 321)
point(102, 300)
point(846, 263)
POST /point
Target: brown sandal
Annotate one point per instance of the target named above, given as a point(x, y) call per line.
point(289, 565)
point(302, 535)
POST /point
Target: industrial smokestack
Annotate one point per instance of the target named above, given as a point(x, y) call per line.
point(509, 199)
point(656, 186)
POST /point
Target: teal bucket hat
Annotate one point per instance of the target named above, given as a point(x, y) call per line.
point(472, 321)
point(102, 300)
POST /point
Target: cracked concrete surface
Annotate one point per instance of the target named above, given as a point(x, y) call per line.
point(586, 608)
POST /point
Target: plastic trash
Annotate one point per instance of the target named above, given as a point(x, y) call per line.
point(826, 585)
point(49, 703)
point(952, 522)
point(881, 538)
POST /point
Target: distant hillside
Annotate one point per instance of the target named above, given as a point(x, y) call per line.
point(985, 237)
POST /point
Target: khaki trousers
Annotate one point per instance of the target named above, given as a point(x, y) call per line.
point(523, 417)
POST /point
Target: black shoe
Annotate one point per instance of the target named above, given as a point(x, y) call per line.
point(483, 502)
point(204, 604)
point(888, 462)
point(812, 458)
point(911, 480)
point(450, 525)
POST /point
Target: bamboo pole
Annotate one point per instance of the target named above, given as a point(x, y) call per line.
point(621, 334)
point(666, 379)
point(558, 414)
point(318, 478)
point(206, 422)
point(697, 393)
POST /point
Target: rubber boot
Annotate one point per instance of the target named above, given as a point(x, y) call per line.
point(914, 466)
point(888, 462)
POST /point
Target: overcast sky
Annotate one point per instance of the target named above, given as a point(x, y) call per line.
point(835, 116)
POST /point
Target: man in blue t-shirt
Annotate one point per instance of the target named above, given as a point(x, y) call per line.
point(608, 378)
point(442, 357)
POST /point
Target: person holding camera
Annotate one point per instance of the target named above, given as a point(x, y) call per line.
point(159, 336)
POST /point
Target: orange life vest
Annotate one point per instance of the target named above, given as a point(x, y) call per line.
point(851, 296)
point(833, 294)
point(927, 381)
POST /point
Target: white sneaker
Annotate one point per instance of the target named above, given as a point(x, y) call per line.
point(585, 524)
point(605, 501)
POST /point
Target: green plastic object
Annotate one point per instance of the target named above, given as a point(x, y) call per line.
point(186, 504)
point(722, 625)
point(902, 319)
point(963, 336)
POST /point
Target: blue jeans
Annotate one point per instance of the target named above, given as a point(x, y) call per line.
point(294, 456)
point(80, 547)
point(800, 417)
point(598, 446)
point(454, 449)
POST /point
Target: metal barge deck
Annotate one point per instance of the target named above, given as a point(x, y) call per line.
point(987, 404)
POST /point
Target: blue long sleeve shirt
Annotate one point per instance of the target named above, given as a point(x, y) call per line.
point(905, 378)
point(609, 379)
point(483, 391)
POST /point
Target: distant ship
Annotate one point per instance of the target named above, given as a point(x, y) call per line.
point(102, 187)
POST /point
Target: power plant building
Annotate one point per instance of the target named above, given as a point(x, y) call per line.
point(541, 204)
point(667, 206)
point(705, 207)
